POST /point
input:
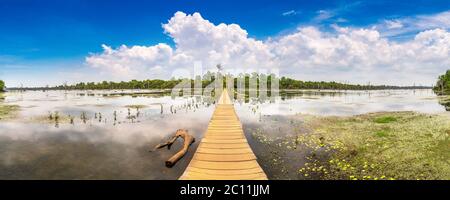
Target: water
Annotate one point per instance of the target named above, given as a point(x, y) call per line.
point(118, 146)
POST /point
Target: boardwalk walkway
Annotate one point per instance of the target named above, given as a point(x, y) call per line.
point(224, 153)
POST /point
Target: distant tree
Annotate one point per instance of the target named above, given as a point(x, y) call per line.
point(2, 86)
point(442, 86)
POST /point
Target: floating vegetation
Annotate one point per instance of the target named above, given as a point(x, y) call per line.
point(8, 111)
point(53, 118)
point(136, 106)
point(376, 146)
point(406, 145)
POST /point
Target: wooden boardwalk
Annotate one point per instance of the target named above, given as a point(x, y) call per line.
point(224, 153)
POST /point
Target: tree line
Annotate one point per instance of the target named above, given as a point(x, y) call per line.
point(288, 83)
point(208, 78)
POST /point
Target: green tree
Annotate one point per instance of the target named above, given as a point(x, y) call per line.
point(2, 86)
point(443, 84)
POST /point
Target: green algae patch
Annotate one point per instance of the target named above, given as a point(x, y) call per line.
point(7, 111)
point(406, 145)
point(53, 118)
point(374, 146)
point(385, 119)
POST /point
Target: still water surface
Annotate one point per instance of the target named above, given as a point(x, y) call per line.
point(114, 139)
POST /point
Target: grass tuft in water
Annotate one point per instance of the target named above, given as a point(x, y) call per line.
point(385, 119)
point(8, 111)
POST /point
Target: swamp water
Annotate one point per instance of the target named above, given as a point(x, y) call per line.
point(110, 134)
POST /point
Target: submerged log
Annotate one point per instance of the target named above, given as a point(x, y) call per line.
point(188, 140)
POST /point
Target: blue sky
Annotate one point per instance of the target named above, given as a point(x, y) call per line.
point(55, 37)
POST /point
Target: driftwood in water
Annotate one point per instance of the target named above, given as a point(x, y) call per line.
point(188, 140)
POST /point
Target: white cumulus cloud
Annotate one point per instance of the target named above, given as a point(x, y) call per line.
point(350, 54)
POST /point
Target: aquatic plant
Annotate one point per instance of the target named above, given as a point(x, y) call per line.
point(71, 119)
point(406, 145)
point(56, 115)
point(385, 119)
point(8, 111)
point(136, 106)
point(363, 147)
point(56, 119)
point(132, 118)
point(83, 117)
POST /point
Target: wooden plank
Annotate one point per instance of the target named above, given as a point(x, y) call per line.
point(226, 172)
point(224, 165)
point(202, 176)
point(225, 128)
point(224, 157)
point(225, 137)
point(224, 146)
point(224, 125)
point(222, 141)
point(224, 151)
point(231, 135)
point(225, 122)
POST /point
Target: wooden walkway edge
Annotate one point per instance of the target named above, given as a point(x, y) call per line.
point(224, 153)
